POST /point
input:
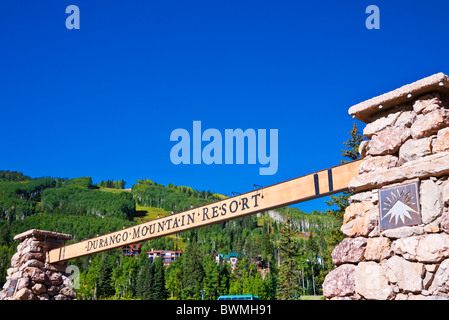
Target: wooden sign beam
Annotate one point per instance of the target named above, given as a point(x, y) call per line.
point(311, 186)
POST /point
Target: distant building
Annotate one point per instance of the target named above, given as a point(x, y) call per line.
point(131, 250)
point(229, 258)
point(261, 264)
point(218, 257)
point(168, 256)
point(232, 259)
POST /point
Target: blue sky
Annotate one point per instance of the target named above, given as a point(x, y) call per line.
point(102, 101)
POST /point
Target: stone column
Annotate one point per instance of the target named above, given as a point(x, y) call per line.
point(31, 277)
point(397, 223)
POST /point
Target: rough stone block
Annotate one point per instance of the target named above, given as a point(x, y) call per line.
point(39, 288)
point(378, 164)
point(442, 141)
point(430, 123)
point(426, 248)
point(32, 263)
point(371, 282)
point(415, 149)
point(359, 219)
point(406, 119)
point(380, 124)
point(444, 223)
point(435, 165)
point(52, 290)
point(24, 282)
point(24, 294)
point(388, 141)
point(440, 283)
point(350, 250)
point(340, 282)
point(69, 292)
point(59, 267)
point(15, 259)
point(427, 103)
point(54, 277)
point(378, 249)
point(32, 255)
point(408, 275)
point(38, 275)
point(431, 202)
point(403, 232)
point(60, 297)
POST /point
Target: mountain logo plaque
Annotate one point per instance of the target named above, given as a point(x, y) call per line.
point(399, 206)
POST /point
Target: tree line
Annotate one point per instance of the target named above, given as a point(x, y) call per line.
point(116, 184)
point(170, 197)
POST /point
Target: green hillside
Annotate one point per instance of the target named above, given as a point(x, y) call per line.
point(83, 209)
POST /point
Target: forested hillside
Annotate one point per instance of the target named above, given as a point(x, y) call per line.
point(83, 209)
point(170, 197)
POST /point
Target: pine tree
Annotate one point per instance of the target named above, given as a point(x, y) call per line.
point(211, 279)
point(193, 272)
point(352, 153)
point(225, 275)
point(352, 145)
point(288, 287)
point(104, 284)
point(174, 279)
point(271, 282)
point(159, 291)
point(239, 276)
point(334, 236)
point(145, 281)
point(258, 287)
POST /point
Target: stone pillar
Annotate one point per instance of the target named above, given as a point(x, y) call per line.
point(31, 277)
point(397, 223)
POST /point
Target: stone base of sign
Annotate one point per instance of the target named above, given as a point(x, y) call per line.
point(30, 277)
point(409, 143)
